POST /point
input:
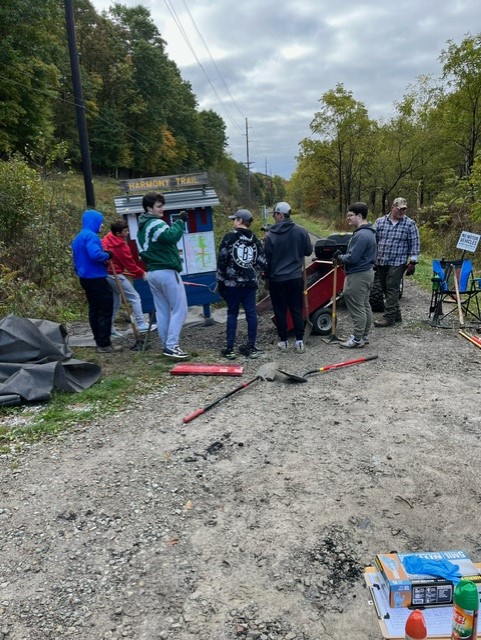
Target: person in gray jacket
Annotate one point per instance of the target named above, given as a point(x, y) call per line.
point(358, 261)
point(286, 245)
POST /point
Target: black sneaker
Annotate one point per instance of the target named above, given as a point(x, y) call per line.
point(250, 352)
point(176, 352)
point(109, 349)
point(229, 354)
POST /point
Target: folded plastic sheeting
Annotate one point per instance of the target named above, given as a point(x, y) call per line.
point(35, 358)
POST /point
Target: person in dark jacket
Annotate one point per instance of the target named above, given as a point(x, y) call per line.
point(240, 260)
point(286, 246)
point(358, 261)
point(157, 245)
point(90, 263)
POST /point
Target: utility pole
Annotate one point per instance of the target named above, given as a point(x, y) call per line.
point(248, 163)
point(79, 106)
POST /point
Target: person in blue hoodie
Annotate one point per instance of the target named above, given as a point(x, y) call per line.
point(358, 261)
point(90, 264)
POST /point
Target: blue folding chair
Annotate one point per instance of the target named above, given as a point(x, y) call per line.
point(444, 291)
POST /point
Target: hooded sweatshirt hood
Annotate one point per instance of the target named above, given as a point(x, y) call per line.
point(92, 220)
point(88, 256)
point(282, 227)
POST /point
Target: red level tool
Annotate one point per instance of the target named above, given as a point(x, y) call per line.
point(185, 369)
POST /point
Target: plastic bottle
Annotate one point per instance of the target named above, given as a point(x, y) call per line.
point(465, 611)
point(416, 626)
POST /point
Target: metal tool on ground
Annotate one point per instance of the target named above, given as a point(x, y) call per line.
point(265, 372)
point(473, 339)
point(198, 369)
point(308, 325)
point(139, 342)
point(333, 337)
point(458, 299)
point(329, 367)
point(151, 322)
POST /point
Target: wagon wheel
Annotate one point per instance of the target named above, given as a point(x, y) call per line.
point(322, 322)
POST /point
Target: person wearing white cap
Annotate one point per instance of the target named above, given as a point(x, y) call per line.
point(286, 246)
point(398, 248)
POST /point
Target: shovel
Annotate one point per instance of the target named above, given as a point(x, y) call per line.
point(333, 337)
point(265, 372)
point(308, 325)
point(138, 340)
point(303, 378)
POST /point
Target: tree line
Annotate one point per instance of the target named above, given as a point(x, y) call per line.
point(143, 118)
point(428, 152)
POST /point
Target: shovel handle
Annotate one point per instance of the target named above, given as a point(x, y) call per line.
point(328, 367)
point(193, 415)
point(338, 365)
point(199, 412)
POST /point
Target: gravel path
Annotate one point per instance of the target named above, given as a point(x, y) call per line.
point(255, 520)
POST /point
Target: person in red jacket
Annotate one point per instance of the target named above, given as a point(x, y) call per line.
point(116, 242)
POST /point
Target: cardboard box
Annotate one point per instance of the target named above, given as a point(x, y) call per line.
point(405, 589)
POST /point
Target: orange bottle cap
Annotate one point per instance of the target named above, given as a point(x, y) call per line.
point(416, 626)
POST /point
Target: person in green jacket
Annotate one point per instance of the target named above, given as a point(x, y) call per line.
point(157, 246)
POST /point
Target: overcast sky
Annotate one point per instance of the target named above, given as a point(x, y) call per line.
point(273, 59)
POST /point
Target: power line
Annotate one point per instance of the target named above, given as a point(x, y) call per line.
point(212, 60)
point(177, 21)
point(184, 34)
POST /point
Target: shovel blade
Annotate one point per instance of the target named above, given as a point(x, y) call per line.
point(293, 376)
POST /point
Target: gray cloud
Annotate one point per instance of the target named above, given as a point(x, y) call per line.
point(277, 59)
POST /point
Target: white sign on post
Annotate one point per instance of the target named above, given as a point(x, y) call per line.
point(468, 241)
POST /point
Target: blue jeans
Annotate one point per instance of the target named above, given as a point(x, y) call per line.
point(170, 301)
point(235, 296)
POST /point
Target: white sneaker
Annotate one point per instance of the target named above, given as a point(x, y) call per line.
point(300, 348)
point(143, 328)
point(283, 345)
point(352, 343)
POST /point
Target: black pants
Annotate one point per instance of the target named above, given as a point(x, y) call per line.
point(288, 295)
point(390, 279)
point(101, 304)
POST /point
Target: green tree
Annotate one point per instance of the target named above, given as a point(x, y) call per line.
point(29, 50)
point(212, 138)
point(462, 73)
point(344, 128)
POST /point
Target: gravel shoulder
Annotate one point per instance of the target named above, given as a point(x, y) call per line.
point(256, 519)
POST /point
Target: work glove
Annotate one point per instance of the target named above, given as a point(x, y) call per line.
point(183, 215)
point(110, 254)
point(410, 269)
point(221, 288)
point(335, 255)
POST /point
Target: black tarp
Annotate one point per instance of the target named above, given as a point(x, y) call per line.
point(35, 358)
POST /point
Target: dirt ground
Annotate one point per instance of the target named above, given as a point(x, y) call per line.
point(256, 520)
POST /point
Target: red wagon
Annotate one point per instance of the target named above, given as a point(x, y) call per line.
point(320, 285)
